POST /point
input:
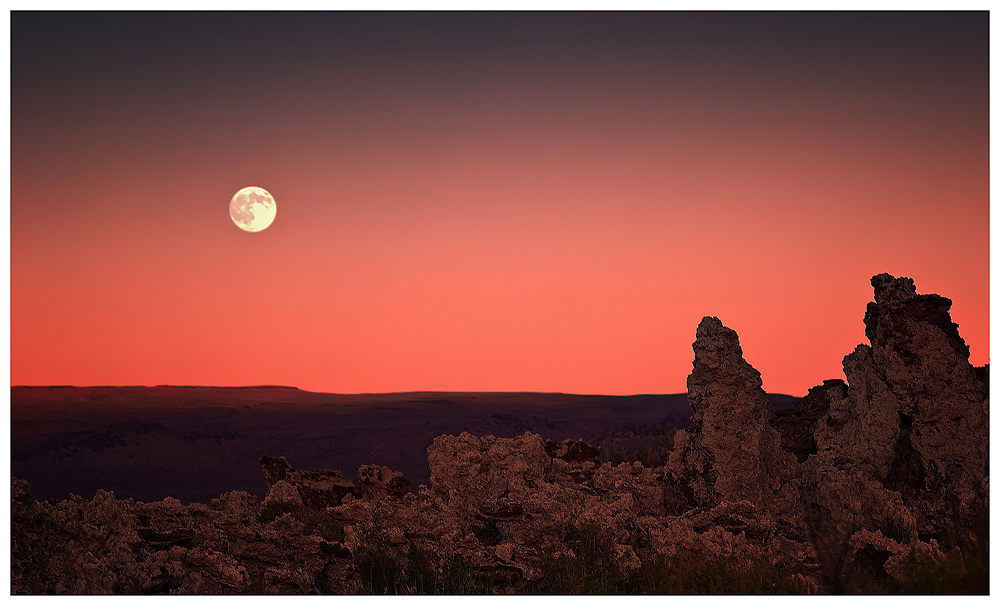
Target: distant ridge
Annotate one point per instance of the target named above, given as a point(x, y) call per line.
point(155, 387)
point(196, 442)
point(367, 393)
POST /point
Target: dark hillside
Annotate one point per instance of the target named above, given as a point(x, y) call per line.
point(194, 443)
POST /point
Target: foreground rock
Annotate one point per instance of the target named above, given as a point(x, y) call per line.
point(730, 452)
point(108, 546)
point(901, 459)
point(847, 492)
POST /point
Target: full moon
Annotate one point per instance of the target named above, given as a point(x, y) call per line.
point(252, 209)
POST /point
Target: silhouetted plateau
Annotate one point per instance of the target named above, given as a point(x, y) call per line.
point(876, 483)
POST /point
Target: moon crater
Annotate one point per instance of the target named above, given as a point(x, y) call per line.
point(252, 209)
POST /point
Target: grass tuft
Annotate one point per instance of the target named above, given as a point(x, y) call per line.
point(595, 569)
point(384, 572)
point(314, 522)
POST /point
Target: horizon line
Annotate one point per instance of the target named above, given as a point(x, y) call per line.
point(366, 393)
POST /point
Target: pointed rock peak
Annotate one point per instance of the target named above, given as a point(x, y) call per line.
point(715, 343)
point(709, 325)
point(729, 453)
point(890, 290)
point(898, 309)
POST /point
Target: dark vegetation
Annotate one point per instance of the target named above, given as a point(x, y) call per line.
point(314, 522)
point(594, 568)
point(382, 572)
point(965, 569)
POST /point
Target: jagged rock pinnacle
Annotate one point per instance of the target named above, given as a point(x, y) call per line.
point(730, 452)
point(889, 290)
point(911, 431)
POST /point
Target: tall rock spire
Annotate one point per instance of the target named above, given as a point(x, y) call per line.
point(916, 414)
point(730, 452)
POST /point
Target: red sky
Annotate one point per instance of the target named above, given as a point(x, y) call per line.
point(486, 202)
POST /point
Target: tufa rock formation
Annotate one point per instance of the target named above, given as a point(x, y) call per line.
point(901, 459)
point(797, 425)
point(730, 452)
point(853, 487)
point(321, 488)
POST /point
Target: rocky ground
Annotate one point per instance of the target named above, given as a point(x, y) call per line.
point(876, 483)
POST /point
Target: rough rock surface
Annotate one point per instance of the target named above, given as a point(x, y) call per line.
point(317, 488)
point(378, 482)
point(730, 452)
point(842, 490)
point(798, 424)
point(902, 451)
point(941, 403)
point(108, 546)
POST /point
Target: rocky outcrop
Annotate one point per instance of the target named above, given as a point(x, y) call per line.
point(921, 366)
point(797, 425)
point(317, 488)
point(378, 482)
point(730, 452)
point(109, 546)
point(742, 486)
point(843, 491)
point(322, 488)
point(901, 452)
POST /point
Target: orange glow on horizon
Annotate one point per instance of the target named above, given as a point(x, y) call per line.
point(492, 225)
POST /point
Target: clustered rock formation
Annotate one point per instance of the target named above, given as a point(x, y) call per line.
point(857, 478)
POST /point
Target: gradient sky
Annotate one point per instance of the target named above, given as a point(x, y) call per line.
point(486, 202)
